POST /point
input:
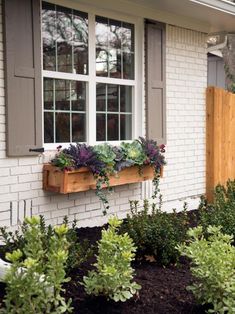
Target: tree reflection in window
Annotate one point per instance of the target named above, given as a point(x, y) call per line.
point(114, 48)
point(65, 39)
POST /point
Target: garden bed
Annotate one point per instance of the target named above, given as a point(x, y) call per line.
point(163, 288)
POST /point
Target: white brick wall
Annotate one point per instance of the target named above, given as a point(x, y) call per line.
point(186, 80)
point(184, 176)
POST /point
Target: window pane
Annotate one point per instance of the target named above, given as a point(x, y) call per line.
point(62, 95)
point(48, 34)
point(113, 98)
point(100, 127)
point(125, 98)
point(114, 48)
point(80, 42)
point(115, 123)
point(64, 39)
point(101, 97)
point(125, 127)
point(78, 127)
point(78, 95)
point(48, 94)
point(128, 65)
point(48, 127)
point(102, 31)
point(113, 127)
point(62, 127)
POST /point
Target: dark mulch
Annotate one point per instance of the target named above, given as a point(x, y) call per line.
point(163, 289)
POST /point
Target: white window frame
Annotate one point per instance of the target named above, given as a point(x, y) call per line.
point(91, 79)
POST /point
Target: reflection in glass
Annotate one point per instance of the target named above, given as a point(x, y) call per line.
point(48, 127)
point(113, 98)
point(78, 127)
point(125, 127)
point(100, 127)
point(114, 48)
point(101, 97)
point(62, 127)
point(65, 39)
point(48, 35)
point(128, 65)
point(62, 95)
point(112, 127)
point(80, 42)
point(125, 98)
point(48, 93)
point(78, 95)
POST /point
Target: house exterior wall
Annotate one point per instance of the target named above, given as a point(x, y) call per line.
point(184, 176)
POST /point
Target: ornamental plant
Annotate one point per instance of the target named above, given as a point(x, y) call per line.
point(35, 278)
point(78, 251)
point(213, 267)
point(155, 233)
point(222, 211)
point(104, 160)
point(113, 277)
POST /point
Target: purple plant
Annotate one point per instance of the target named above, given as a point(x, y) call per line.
point(153, 152)
point(84, 156)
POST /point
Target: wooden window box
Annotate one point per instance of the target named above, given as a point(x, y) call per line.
point(57, 180)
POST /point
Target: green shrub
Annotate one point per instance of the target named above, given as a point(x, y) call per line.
point(213, 267)
point(222, 211)
point(34, 280)
point(156, 233)
point(113, 275)
point(78, 251)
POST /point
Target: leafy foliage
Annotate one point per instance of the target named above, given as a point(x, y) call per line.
point(222, 211)
point(156, 233)
point(213, 266)
point(78, 251)
point(114, 274)
point(34, 280)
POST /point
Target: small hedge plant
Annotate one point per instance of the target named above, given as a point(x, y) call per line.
point(222, 211)
point(78, 251)
point(34, 280)
point(156, 233)
point(213, 267)
point(113, 277)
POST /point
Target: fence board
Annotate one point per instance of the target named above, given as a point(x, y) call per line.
point(220, 138)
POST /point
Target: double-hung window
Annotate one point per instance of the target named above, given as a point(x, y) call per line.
point(88, 76)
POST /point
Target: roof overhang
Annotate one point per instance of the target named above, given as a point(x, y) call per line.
point(201, 15)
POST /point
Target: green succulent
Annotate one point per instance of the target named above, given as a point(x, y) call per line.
point(134, 152)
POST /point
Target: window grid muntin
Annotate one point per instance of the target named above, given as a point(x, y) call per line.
point(92, 79)
point(117, 113)
point(54, 111)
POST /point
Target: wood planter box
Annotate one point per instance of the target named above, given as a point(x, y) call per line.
point(56, 180)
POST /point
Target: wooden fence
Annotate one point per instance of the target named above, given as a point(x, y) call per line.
point(220, 138)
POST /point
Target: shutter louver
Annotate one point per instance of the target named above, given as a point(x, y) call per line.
point(155, 82)
point(22, 45)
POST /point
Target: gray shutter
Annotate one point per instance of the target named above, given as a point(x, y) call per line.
point(155, 82)
point(23, 76)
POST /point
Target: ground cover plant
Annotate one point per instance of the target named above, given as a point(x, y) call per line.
point(105, 160)
point(213, 267)
point(155, 233)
